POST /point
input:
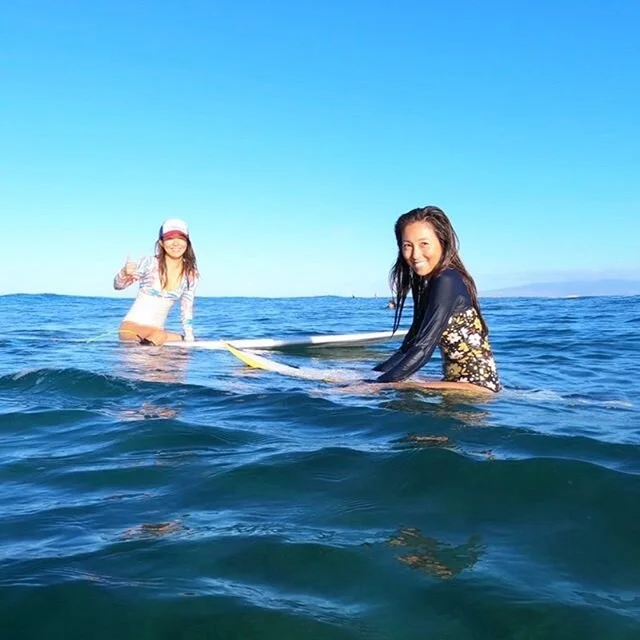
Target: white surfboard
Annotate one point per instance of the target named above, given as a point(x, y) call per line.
point(337, 340)
point(256, 361)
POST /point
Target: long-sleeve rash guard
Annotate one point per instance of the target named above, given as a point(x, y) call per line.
point(152, 304)
point(444, 316)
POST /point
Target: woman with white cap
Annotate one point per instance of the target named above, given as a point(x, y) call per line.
point(170, 275)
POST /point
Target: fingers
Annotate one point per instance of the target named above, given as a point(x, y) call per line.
point(130, 266)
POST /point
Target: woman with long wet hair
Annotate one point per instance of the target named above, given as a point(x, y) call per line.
point(446, 311)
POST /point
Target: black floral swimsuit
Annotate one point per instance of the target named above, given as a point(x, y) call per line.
point(466, 352)
point(444, 316)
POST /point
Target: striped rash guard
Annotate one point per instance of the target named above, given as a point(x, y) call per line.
point(152, 304)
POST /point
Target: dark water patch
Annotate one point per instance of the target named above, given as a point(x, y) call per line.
point(101, 611)
point(71, 382)
point(30, 422)
point(512, 444)
point(479, 611)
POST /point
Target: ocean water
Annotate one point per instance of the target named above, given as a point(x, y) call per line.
point(161, 493)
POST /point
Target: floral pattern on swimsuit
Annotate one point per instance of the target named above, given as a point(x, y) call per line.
point(466, 352)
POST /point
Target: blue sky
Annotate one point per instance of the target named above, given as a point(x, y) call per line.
point(290, 135)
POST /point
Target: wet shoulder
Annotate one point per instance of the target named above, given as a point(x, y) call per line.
point(449, 285)
point(450, 279)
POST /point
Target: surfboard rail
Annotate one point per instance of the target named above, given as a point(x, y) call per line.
point(256, 361)
point(329, 340)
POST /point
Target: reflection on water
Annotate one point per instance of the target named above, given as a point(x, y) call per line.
point(153, 529)
point(148, 412)
point(153, 364)
point(427, 441)
point(438, 559)
point(466, 411)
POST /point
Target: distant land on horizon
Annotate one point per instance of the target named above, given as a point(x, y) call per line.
point(569, 288)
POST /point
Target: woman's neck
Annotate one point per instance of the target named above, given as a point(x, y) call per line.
point(173, 263)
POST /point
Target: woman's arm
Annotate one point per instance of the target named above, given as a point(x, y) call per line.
point(186, 309)
point(130, 273)
point(447, 295)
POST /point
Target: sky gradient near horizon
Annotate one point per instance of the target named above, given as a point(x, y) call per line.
point(290, 136)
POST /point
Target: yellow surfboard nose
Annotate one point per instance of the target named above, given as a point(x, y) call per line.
point(248, 358)
point(255, 361)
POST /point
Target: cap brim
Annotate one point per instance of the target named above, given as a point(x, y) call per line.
point(174, 234)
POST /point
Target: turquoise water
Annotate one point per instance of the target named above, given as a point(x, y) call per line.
point(155, 493)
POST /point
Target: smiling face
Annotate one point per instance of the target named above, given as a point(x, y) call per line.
point(175, 246)
point(420, 247)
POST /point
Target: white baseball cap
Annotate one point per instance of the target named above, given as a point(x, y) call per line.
point(172, 228)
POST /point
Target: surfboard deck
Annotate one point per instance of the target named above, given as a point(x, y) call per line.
point(256, 361)
point(335, 340)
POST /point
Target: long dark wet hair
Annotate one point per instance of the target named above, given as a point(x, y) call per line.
point(189, 263)
point(403, 279)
